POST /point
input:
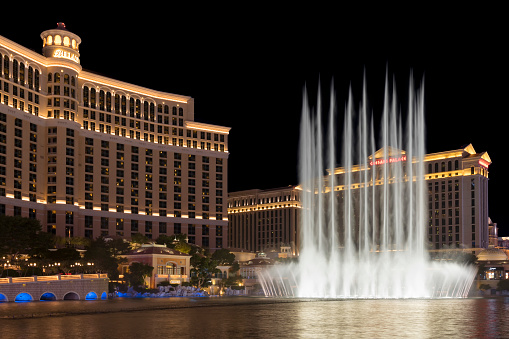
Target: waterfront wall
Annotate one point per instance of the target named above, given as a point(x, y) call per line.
point(58, 287)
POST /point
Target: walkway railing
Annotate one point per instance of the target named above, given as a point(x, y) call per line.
point(171, 276)
point(35, 278)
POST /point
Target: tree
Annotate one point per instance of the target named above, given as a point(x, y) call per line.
point(137, 274)
point(65, 257)
point(164, 239)
point(183, 247)
point(176, 241)
point(235, 268)
point(223, 257)
point(138, 239)
point(203, 269)
point(22, 236)
point(232, 280)
point(117, 246)
point(104, 253)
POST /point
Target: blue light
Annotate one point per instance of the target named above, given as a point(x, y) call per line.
point(23, 298)
point(48, 296)
point(91, 296)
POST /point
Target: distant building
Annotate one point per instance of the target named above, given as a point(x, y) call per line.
point(503, 242)
point(493, 266)
point(457, 203)
point(89, 155)
point(492, 233)
point(264, 220)
point(457, 186)
point(250, 269)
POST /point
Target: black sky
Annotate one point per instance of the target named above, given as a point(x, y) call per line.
point(246, 68)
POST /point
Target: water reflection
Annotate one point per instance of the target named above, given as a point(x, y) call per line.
point(262, 318)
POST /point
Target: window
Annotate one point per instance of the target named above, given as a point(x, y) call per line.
point(162, 228)
point(120, 224)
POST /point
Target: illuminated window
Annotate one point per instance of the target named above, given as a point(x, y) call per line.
point(67, 41)
point(85, 96)
point(92, 97)
point(58, 40)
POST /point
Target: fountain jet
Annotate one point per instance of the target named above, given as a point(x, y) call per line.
point(362, 229)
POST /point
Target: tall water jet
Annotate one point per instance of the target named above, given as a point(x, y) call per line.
point(363, 224)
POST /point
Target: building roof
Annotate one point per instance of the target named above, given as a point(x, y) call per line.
point(257, 191)
point(151, 249)
point(261, 261)
point(492, 254)
point(61, 25)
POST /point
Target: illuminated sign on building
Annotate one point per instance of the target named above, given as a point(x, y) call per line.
point(66, 55)
point(484, 163)
point(388, 160)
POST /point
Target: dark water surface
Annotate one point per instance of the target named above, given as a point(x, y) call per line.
point(238, 317)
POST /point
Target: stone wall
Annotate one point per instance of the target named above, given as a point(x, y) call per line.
point(68, 289)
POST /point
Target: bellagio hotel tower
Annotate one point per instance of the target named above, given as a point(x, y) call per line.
point(88, 155)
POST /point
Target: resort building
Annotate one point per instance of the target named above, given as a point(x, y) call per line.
point(264, 220)
point(88, 155)
point(456, 183)
point(493, 266)
point(169, 264)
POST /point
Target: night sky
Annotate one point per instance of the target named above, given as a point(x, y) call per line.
point(246, 69)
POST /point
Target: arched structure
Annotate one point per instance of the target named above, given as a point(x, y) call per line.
point(48, 296)
point(91, 296)
point(71, 295)
point(23, 297)
point(50, 288)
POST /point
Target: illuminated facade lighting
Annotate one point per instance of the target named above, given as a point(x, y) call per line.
point(88, 155)
point(264, 220)
point(457, 201)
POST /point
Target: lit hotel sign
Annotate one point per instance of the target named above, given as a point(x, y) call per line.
point(484, 163)
point(387, 161)
point(66, 55)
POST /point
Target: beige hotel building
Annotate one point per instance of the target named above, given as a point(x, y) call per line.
point(457, 204)
point(88, 155)
point(264, 220)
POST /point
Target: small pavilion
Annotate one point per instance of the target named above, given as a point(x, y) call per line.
point(169, 264)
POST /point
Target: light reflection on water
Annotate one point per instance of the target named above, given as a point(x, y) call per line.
point(261, 318)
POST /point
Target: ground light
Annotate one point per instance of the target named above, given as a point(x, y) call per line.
point(23, 298)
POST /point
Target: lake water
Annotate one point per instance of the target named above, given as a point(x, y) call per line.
point(243, 317)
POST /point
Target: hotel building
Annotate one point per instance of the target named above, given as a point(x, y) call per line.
point(456, 182)
point(88, 155)
point(264, 220)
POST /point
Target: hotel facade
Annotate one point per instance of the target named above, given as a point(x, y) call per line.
point(88, 155)
point(264, 220)
point(456, 183)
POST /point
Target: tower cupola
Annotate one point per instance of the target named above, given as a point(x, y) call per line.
point(61, 44)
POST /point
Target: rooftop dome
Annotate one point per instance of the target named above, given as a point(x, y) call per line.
point(492, 254)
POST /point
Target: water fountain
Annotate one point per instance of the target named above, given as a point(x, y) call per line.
point(363, 225)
